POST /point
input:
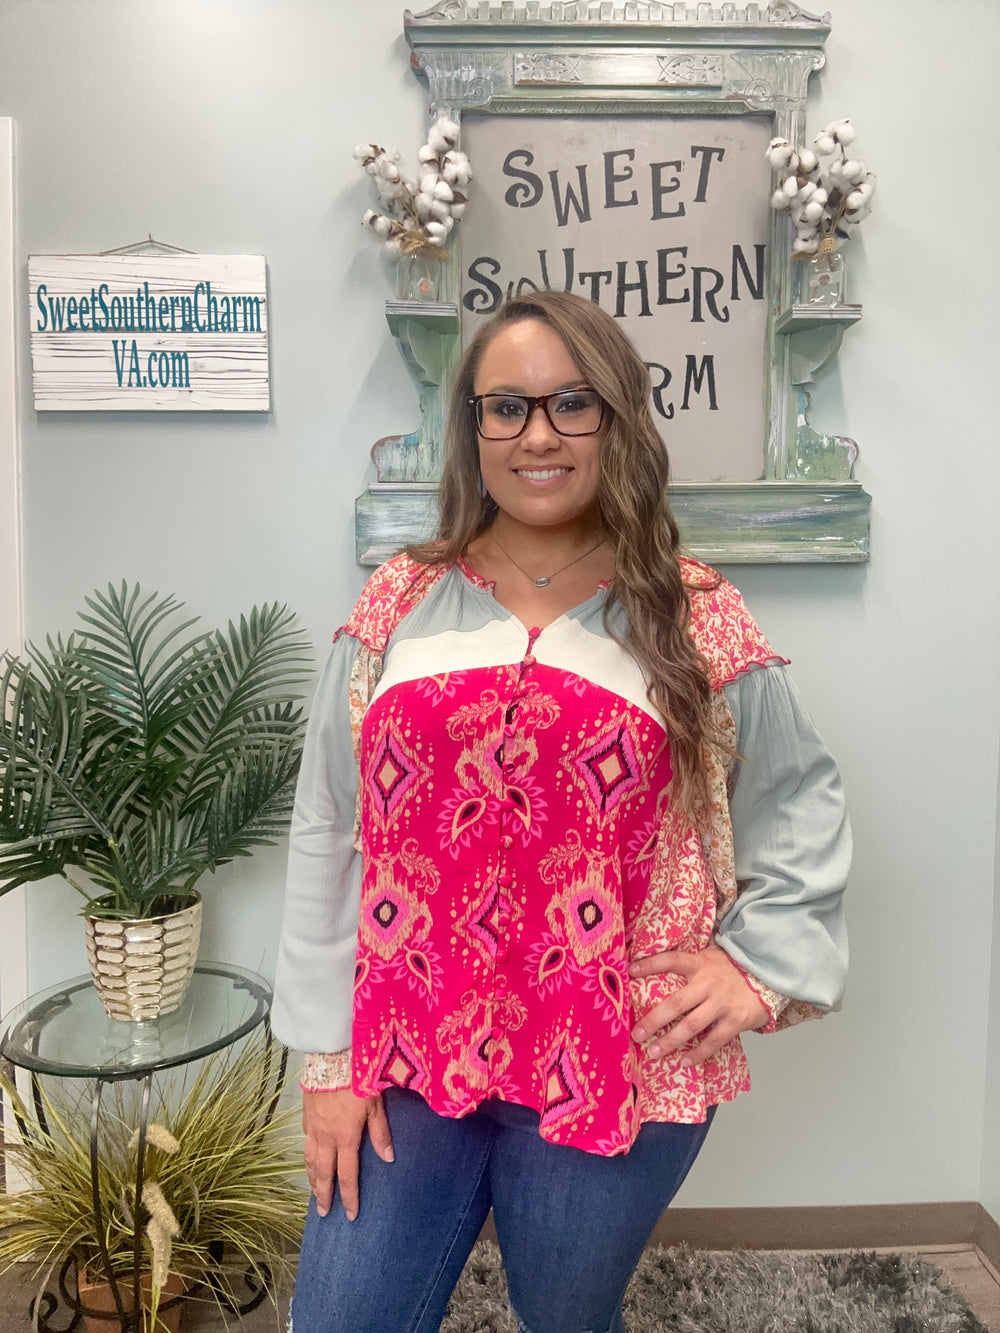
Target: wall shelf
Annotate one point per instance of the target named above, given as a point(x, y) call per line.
point(802, 317)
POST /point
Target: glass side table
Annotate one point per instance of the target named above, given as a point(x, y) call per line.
point(64, 1032)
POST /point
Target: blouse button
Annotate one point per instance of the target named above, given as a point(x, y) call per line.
point(506, 881)
point(506, 804)
point(530, 660)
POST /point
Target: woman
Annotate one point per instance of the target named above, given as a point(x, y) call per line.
point(597, 839)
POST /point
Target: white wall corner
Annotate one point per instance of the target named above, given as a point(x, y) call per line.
point(13, 926)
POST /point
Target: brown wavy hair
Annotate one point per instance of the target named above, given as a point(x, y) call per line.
point(634, 510)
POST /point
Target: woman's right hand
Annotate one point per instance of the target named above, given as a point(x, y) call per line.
point(334, 1123)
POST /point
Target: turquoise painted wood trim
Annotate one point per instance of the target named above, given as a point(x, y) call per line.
point(464, 22)
point(754, 522)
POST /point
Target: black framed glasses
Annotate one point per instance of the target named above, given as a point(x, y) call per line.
point(503, 416)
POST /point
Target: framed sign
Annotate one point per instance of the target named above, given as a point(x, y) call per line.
point(663, 222)
point(149, 332)
point(618, 147)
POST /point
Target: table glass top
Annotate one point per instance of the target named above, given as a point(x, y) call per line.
point(64, 1030)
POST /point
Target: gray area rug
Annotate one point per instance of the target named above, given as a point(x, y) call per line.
point(689, 1291)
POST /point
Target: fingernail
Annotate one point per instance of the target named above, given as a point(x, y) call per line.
point(686, 1063)
point(322, 1211)
point(639, 1034)
point(654, 1050)
point(633, 970)
point(389, 1155)
point(351, 1217)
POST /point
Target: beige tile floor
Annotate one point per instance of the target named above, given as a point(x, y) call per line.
point(964, 1266)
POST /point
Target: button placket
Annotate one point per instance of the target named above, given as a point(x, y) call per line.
point(505, 877)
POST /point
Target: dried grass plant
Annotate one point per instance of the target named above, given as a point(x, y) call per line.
point(222, 1203)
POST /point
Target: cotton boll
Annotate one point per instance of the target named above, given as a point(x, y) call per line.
point(368, 217)
point(812, 212)
point(448, 129)
point(779, 199)
point(443, 135)
point(438, 210)
point(436, 232)
point(457, 210)
point(422, 203)
point(824, 144)
point(443, 191)
point(427, 154)
point(393, 245)
point(456, 172)
point(808, 161)
point(790, 186)
point(382, 226)
point(843, 131)
point(778, 154)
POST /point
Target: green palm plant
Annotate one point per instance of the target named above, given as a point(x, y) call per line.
point(143, 756)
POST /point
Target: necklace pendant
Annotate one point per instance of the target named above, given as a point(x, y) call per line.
point(543, 582)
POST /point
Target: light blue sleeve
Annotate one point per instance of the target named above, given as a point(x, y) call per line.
point(792, 843)
point(314, 979)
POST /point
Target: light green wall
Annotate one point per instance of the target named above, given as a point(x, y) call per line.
point(228, 125)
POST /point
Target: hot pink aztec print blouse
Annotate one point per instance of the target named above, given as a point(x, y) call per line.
point(518, 847)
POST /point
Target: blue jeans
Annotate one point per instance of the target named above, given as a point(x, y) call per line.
point(571, 1224)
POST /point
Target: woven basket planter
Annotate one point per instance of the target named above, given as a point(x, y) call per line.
point(142, 968)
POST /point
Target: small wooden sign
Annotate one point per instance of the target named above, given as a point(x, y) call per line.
point(149, 332)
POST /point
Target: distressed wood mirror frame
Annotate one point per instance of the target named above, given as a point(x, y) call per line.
point(637, 58)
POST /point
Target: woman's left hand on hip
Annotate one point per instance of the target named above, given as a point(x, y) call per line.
point(715, 1003)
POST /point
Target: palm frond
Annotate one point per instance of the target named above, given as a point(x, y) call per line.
point(152, 859)
point(50, 749)
point(130, 655)
point(251, 679)
point(254, 802)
